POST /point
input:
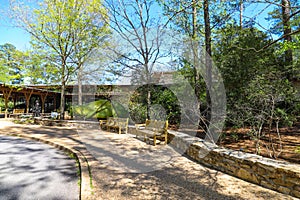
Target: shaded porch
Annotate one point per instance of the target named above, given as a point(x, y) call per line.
point(23, 97)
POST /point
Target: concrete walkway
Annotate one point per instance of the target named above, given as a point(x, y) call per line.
point(119, 168)
point(33, 170)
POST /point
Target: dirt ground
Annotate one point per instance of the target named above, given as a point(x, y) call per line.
point(288, 149)
point(176, 177)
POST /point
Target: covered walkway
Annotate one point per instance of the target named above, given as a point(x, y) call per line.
point(24, 94)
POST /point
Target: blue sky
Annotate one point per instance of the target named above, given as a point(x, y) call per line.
point(9, 34)
point(261, 9)
point(20, 39)
point(15, 36)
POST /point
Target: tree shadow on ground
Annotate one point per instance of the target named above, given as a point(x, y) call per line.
point(180, 178)
point(32, 170)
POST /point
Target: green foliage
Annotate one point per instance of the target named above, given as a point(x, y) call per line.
point(286, 118)
point(29, 67)
point(275, 17)
point(271, 98)
point(100, 109)
point(168, 101)
point(39, 69)
point(188, 72)
point(138, 112)
point(256, 86)
point(11, 64)
point(297, 150)
point(2, 104)
point(181, 13)
point(24, 121)
point(66, 32)
point(74, 29)
point(234, 136)
point(237, 57)
point(285, 24)
point(164, 105)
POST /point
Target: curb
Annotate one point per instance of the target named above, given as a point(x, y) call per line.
point(86, 185)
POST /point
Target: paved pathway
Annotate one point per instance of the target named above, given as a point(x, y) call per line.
point(131, 169)
point(117, 172)
point(33, 170)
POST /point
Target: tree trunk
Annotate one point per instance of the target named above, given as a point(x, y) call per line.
point(27, 98)
point(286, 12)
point(63, 87)
point(195, 48)
point(194, 7)
point(6, 95)
point(80, 85)
point(208, 62)
point(62, 100)
point(148, 88)
point(241, 13)
point(148, 101)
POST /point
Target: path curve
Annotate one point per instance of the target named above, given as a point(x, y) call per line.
point(57, 138)
point(181, 179)
point(33, 170)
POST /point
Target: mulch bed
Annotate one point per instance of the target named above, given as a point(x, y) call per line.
point(240, 139)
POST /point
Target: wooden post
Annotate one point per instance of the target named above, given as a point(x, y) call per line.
point(43, 99)
point(27, 97)
point(6, 95)
point(54, 101)
point(14, 97)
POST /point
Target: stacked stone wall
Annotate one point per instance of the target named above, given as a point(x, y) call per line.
point(277, 175)
point(68, 123)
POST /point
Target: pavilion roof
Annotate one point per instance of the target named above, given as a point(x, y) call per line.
point(24, 89)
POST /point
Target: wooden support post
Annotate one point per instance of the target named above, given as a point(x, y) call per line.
point(27, 97)
point(6, 95)
point(14, 99)
point(54, 102)
point(43, 99)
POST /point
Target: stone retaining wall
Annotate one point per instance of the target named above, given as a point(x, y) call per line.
point(68, 123)
point(281, 176)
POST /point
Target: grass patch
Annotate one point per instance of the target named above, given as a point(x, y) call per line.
point(78, 172)
point(297, 150)
point(24, 121)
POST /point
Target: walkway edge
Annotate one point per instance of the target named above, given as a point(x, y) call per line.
point(86, 186)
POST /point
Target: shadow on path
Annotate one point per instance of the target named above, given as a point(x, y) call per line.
point(32, 170)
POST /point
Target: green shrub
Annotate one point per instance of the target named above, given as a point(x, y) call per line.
point(100, 109)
